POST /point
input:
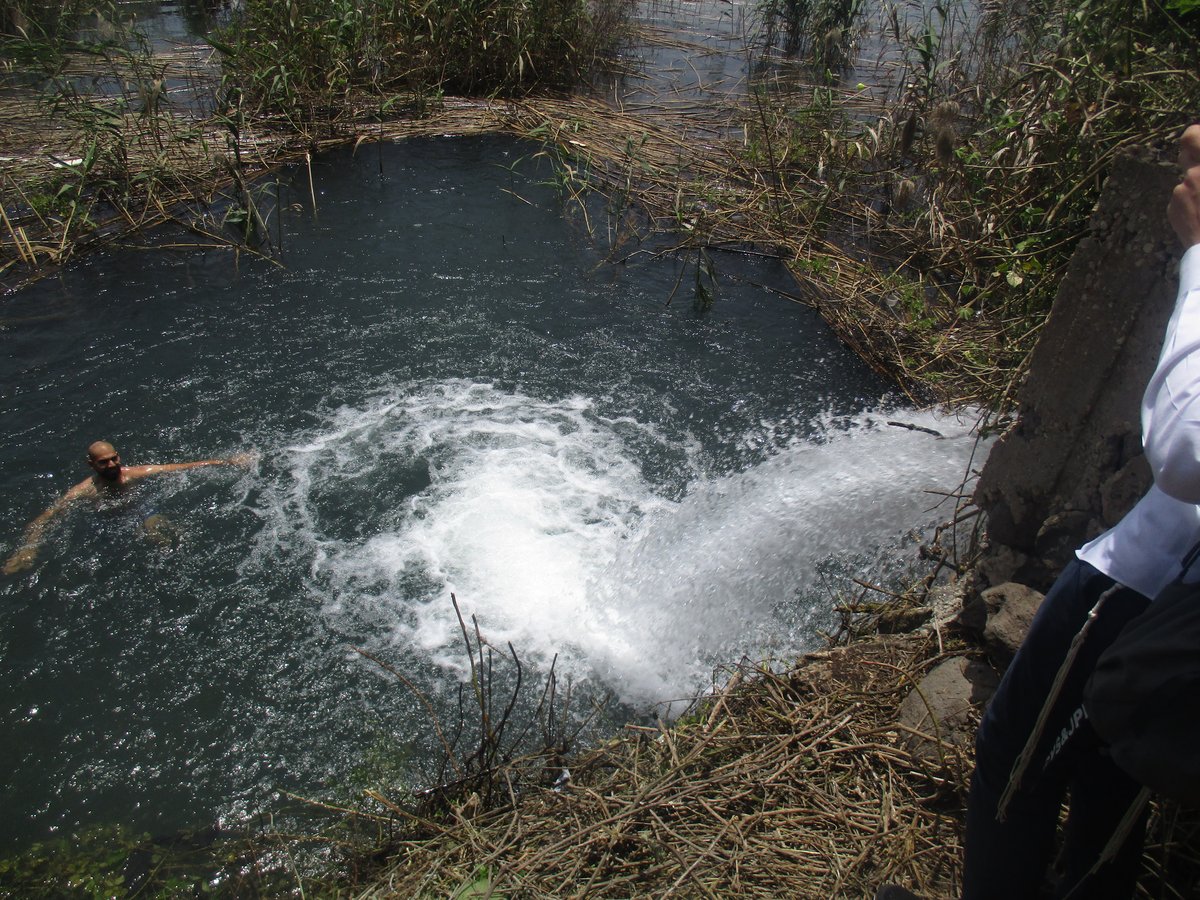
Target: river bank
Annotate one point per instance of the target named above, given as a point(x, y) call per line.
point(926, 194)
point(670, 178)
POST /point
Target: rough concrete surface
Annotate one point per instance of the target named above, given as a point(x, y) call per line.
point(1071, 465)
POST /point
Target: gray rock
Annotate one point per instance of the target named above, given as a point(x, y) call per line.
point(973, 617)
point(947, 600)
point(999, 564)
point(1060, 534)
point(1010, 608)
point(943, 708)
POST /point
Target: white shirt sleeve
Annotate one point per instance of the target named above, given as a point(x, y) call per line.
point(1171, 404)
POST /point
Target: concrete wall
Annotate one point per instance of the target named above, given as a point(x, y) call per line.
point(1072, 464)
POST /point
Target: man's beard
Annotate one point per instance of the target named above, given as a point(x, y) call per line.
point(113, 474)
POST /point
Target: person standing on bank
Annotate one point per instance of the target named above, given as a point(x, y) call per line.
point(1011, 830)
point(110, 478)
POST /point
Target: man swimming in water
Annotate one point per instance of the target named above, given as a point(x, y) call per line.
point(111, 477)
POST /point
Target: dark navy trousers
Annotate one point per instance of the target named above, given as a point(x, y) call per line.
point(1009, 859)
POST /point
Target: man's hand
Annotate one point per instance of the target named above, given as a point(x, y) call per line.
point(1189, 148)
point(244, 460)
point(21, 560)
point(1183, 212)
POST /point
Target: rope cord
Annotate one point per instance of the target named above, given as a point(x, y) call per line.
point(1026, 755)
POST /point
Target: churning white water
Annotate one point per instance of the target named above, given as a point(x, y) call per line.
point(538, 517)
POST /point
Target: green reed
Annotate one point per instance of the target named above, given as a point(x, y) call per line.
point(978, 172)
point(820, 32)
point(307, 58)
point(33, 30)
point(97, 144)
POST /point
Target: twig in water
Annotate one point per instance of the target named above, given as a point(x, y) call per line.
point(912, 427)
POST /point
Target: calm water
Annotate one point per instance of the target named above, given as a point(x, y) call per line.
point(450, 390)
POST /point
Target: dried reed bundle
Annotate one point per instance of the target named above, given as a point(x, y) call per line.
point(795, 784)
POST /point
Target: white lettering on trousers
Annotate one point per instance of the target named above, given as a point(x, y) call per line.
point(1065, 735)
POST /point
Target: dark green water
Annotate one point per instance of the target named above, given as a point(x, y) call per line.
point(450, 389)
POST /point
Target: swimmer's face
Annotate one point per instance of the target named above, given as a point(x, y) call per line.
point(106, 464)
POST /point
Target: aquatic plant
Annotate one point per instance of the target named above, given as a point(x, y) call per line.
point(111, 861)
point(820, 31)
point(304, 58)
point(108, 135)
point(971, 179)
point(33, 31)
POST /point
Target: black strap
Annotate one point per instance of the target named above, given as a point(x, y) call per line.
point(1189, 558)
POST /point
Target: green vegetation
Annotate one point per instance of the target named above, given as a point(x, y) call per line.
point(32, 31)
point(108, 136)
point(309, 59)
point(823, 31)
point(113, 863)
point(930, 223)
point(93, 141)
point(974, 179)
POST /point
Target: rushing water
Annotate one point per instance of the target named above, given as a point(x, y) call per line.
point(449, 391)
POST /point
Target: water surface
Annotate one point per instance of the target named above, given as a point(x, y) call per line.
point(450, 390)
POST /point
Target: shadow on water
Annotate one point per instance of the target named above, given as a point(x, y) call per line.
point(450, 391)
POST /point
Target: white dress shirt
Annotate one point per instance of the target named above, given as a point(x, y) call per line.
point(1143, 550)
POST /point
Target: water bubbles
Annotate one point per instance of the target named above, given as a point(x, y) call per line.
point(537, 514)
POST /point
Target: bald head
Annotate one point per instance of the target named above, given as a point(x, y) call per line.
point(105, 460)
point(96, 449)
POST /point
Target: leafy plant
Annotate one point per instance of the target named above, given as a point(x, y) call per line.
point(980, 178)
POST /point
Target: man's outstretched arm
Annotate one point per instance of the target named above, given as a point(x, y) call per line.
point(35, 531)
point(132, 473)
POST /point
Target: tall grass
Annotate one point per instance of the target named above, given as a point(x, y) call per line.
point(96, 141)
point(306, 57)
point(32, 29)
point(103, 137)
point(975, 179)
point(818, 31)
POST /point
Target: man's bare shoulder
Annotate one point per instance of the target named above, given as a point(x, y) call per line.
point(85, 488)
point(132, 473)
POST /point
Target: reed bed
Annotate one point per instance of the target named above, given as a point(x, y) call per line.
point(796, 784)
point(678, 169)
point(929, 228)
point(970, 184)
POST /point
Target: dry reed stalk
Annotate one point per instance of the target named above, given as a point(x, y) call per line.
point(680, 162)
point(793, 784)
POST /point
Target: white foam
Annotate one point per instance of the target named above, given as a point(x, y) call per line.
point(538, 518)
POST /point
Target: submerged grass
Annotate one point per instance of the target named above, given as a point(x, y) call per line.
point(114, 863)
